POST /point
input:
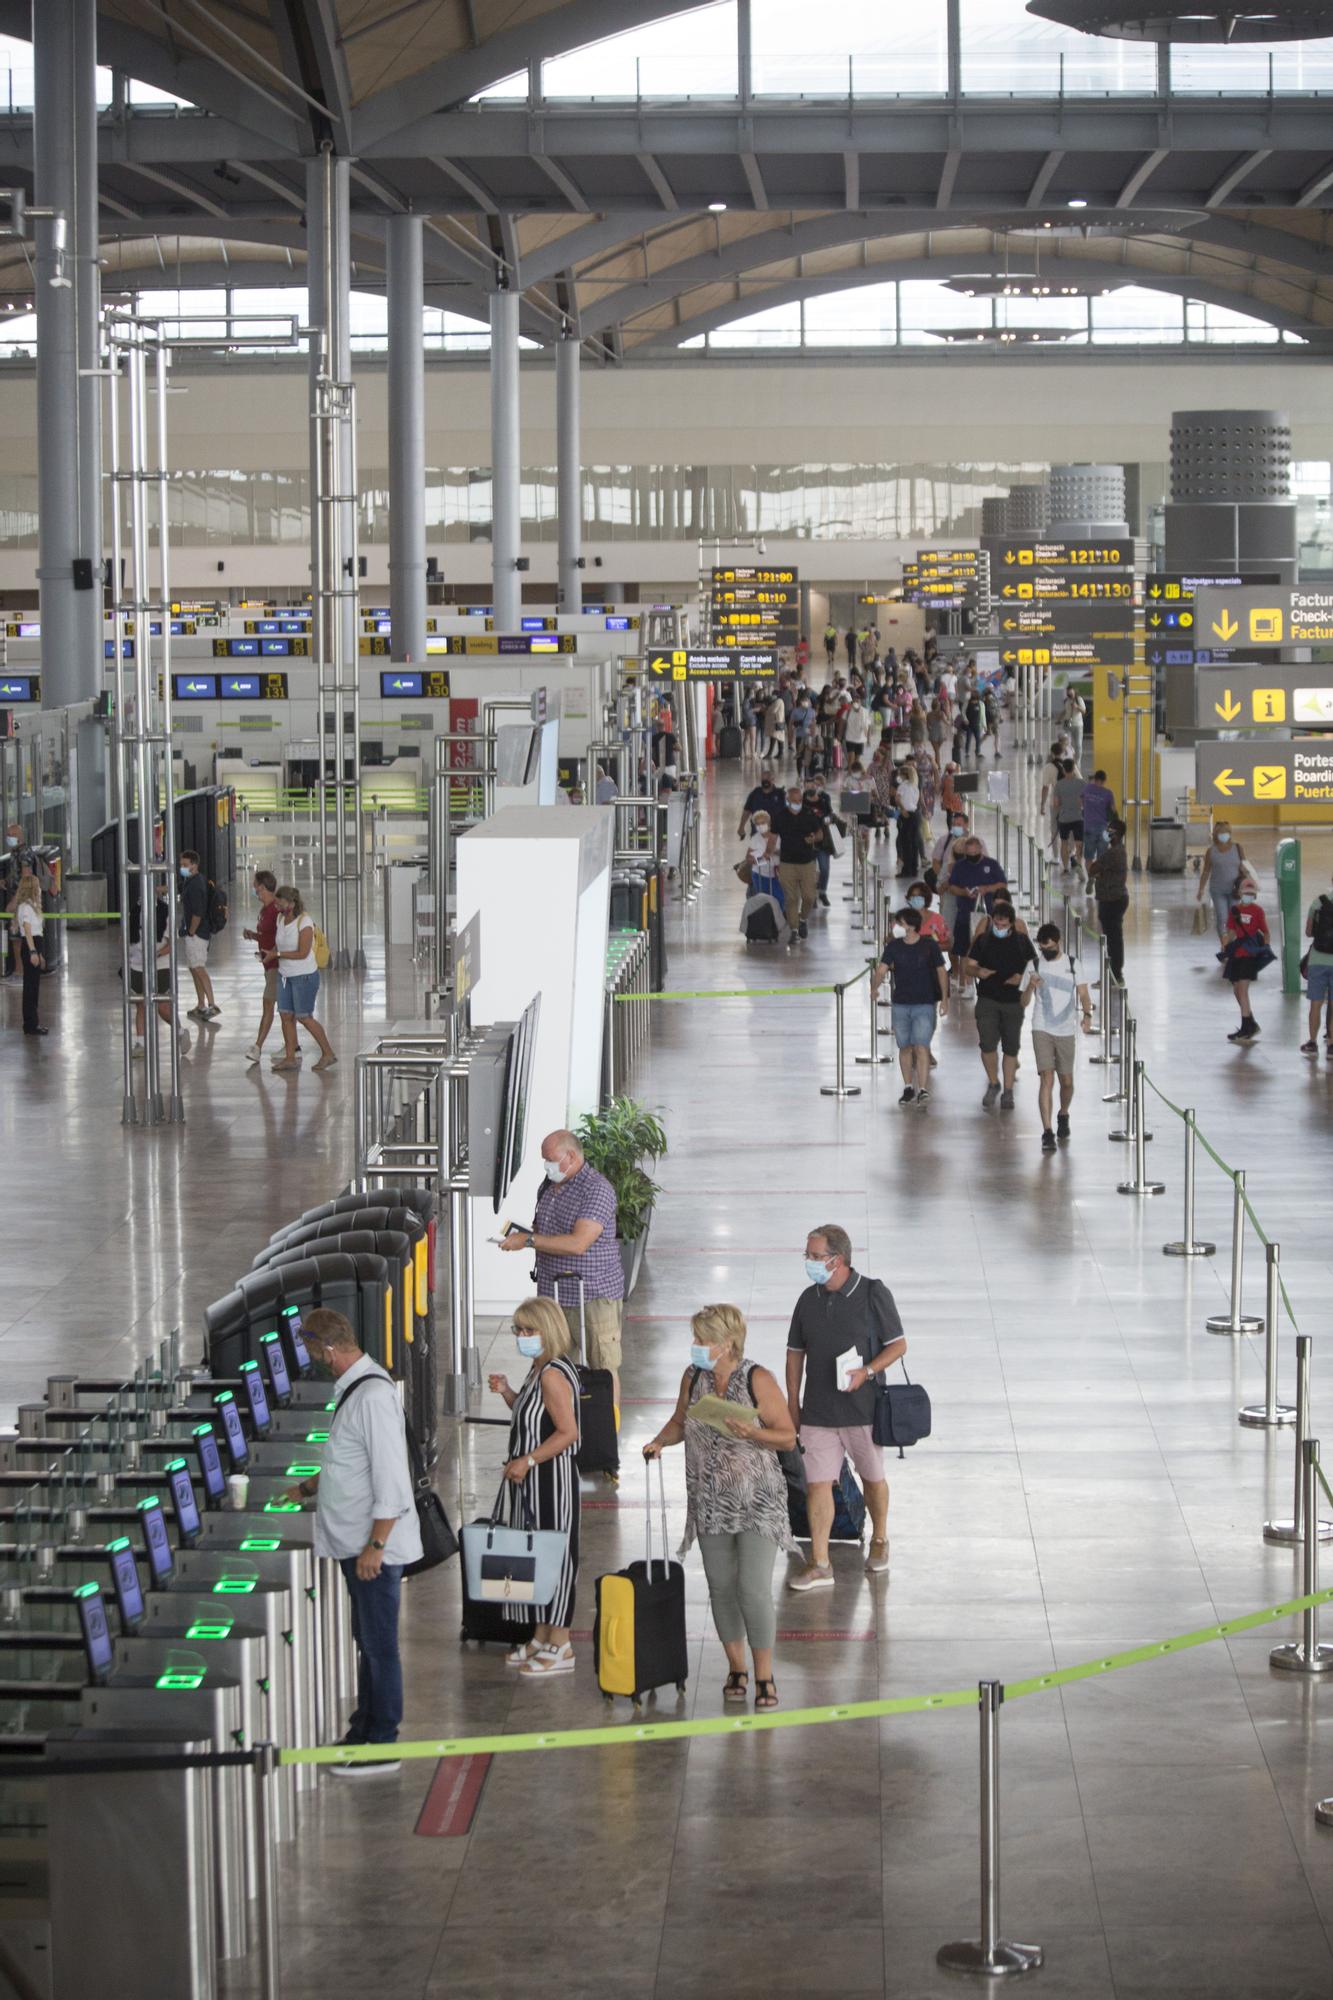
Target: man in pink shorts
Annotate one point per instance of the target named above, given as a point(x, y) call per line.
point(845, 1331)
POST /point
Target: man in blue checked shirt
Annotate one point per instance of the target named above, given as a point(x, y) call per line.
point(574, 1235)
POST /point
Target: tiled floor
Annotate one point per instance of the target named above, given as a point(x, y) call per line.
point(1087, 1488)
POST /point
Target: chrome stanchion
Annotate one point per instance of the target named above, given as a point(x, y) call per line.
point(1287, 1532)
point(1234, 1320)
point(990, 1956)
point(1123, 1093)
point(1189, 1245)
point(840, 1087)
point(1306, 1655)
point(1270, 1413)
point(1140, 1183)
point(874, 1056)
point(1104, 1014)
point(264, 1776)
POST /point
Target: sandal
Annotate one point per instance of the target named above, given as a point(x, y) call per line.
point(548, 1660)
point(521, 1654)
point(736, 1686)
point(766, 1694)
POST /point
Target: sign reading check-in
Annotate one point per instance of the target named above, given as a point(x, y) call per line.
point(1264, 616)
point(1266, 773)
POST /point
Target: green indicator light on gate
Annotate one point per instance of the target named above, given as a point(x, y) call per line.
point(121, 1542)
point(316, 1437)
point(176, 1465)
point(87, 1590)
point(234, 1586)
point(261, 1542)
point(301, 1471)
point(186, 1681)
point(282, 1506)
point(210, 1628)
point(246, 1366)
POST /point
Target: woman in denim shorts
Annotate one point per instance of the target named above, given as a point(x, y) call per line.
point(298, 982)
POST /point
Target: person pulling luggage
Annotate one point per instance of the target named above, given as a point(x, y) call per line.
point(735, 1492)
point(840, 1318)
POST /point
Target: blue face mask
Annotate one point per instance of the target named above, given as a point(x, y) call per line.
point(1000, 930)
point(817, 1272)
point(529, 1345)
point(700, 1357)
point(916, 902)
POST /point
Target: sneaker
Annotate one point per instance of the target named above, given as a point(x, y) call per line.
point(815, 1576)
point(992, 1094)
point(198, 1014)
point(254, 1053)
point(367, 1767)
point(136, 1051)
point(1048, 1141)
point(878, 1559)
point(922, 1099)
point(801, 930)
point(908, 1096)
point(824, 899)
point(548, 1660)
point(211, 1013)
point(1006, 1100)
point(1062, 1124)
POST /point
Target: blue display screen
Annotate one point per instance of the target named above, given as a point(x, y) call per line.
point(267, 625)
point(242, 649)
point(16, 687)
point(161, 1564)
point(237, 1448)
point(296, 625)
point(194, 687)
point(126, 649)
point(532, 624)
point(128, 1589)
point(391, 684)
point(186, 1507)
point(253, 1384)
point(210, 1463)
point(96, 1632)
point(278, 647)
point(617, 624)
point(240, 687)
point(291, 1319)
point(276, 1361)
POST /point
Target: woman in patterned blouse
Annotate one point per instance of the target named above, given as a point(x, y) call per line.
point(736, 1492)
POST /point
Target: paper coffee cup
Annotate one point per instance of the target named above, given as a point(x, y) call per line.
point(238, 1487)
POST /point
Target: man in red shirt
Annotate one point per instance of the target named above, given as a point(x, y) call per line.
point(265, 938)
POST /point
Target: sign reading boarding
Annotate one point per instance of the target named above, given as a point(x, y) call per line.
point(1239, 696)
point(1265, 773)
point(718, 665)
point(1262, 616)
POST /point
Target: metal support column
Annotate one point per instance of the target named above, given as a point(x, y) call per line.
point(333, 550)
point(506, 515)
point(406, 384)
point(569, 475)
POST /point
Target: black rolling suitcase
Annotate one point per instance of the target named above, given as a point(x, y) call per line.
point(599, 1443)
point(639, 1637)
point(729, 742)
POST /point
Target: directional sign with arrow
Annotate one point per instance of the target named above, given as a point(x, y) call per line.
point(1241, 697)
point(1298, 773)
point(1264, 616)
point(718, 665)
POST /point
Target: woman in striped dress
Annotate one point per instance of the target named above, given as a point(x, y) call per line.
point(543, 1443)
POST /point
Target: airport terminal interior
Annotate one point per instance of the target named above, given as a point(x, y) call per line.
point(705, 635)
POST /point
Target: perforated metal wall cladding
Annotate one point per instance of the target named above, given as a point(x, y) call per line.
point(1230, 455)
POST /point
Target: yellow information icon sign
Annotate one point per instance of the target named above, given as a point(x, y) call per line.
point(1270, 781)
point(1268, 704)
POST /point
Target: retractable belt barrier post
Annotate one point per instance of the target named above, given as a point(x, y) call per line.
point(1306, 1655)
point(1189, 1245)
point(1294, 1530)
point(990, 1956)
point(1124, 1090)
point(1270, 1413)
point(1234, 1320)
point(1140, 1184)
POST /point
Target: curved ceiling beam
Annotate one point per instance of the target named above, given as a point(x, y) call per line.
point(956, 267)
point(457, 77)
point(1259, 239)
point(824, 232)
point(591, 239)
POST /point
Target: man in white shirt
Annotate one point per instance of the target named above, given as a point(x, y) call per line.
point(366, 1519)
point(1054, 991)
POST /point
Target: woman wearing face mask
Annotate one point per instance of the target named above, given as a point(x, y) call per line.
point(763, 853)
point(736, 1494)
point(543, 1441)
point(1224, 869)
point(298, 982)
point(27, 921)
point(1245, 954)
point(919, 897)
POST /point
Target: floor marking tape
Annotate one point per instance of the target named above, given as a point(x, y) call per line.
point(455, 1793)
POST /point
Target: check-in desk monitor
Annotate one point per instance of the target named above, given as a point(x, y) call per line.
point(156, 1542)
point(211, 1475)
point(279, 1380)
point(252, 1385)
point(96, 1633)
point(237, 1449)
point(185, 1506)
point(126, 1585)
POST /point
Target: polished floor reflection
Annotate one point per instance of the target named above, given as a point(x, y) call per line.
point(1087, 1489)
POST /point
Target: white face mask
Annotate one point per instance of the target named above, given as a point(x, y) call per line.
point(899, 930)
point(553, 1170)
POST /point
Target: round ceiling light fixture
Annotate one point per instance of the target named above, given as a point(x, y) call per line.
point(1208, 21)
point(717, 208)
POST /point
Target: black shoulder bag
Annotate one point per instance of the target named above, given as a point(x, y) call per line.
point(438, 1540)
point(902, 1409)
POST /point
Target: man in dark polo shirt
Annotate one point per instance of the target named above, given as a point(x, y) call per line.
point(999, 961)
point(763, 798)
point(574, 1235)
point(840, 1314)
point(799, 827)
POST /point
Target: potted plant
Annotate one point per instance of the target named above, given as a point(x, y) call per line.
point(616, 1140)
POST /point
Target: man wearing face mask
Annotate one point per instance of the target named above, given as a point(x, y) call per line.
point(763, 798)
point(999, 961)
point(194, 930)
point(816, 797)
point(574, 1235)
point(973, 880)
point(799, 827)
point(840, 1313)
point(1055, 991)
point(920, 985)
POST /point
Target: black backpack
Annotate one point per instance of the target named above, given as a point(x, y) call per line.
point(215, 918)
point(1322, 939)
